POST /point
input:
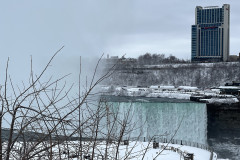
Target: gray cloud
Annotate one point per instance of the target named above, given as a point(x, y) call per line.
point(89, 28)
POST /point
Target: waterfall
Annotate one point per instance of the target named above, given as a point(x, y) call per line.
point(188, 120)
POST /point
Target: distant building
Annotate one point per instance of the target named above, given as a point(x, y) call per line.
point(210, 34)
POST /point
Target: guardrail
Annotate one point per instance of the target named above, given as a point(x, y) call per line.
point(179, 142)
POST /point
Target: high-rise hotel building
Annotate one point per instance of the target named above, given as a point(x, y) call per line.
point(210, 34)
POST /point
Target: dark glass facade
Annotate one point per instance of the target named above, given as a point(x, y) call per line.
point(210, 34)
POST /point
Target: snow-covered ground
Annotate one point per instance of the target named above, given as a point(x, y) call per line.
point(189, 64)
point(173, 94)
point(220, 101)
point(181, 92)
point(135, 150)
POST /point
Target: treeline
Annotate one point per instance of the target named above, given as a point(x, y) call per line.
point(155, 59)
point(146, 59)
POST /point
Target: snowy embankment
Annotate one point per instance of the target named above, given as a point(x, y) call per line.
point(176, 95)
point(134, 150)
point(226, 64)
point(220, 101)
point(181, 92)
point(202, 75)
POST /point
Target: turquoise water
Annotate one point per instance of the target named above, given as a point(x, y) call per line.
point(187, 120)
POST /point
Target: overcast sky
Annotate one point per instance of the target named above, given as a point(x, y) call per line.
point(92, 27)
point(114, 27)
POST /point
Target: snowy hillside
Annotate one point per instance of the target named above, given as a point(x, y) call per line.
point(202, 75)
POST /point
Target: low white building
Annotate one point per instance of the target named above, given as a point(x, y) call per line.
point(187, 88)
